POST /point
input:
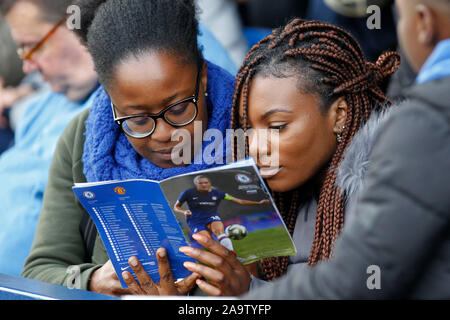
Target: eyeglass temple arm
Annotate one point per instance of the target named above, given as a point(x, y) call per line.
point(29, 54)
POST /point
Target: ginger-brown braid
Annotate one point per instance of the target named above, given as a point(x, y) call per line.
point(332, 61)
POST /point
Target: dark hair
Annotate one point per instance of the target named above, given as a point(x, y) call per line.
point(50, 10)
point(328, 62)
point(117, 29)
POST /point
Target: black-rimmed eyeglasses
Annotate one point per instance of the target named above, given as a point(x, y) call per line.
point(178, 114)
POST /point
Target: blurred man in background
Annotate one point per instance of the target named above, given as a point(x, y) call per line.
point(13, 86)
point(48, 46)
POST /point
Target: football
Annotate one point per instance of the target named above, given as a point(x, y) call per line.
point(236, 231)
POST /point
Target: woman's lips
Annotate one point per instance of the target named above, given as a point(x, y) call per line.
point(168, 154)
point(269, 172)
point(165, 154)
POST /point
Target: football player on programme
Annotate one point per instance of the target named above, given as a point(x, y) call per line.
point(202, 216)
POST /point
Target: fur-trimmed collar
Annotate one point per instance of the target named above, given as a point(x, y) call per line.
point(351, 171)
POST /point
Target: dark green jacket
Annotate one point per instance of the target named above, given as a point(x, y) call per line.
point(58, 243)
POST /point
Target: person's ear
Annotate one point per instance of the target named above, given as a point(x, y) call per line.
point(338, 115)
point(426, 26)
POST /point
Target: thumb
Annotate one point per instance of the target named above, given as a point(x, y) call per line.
point(188, 283)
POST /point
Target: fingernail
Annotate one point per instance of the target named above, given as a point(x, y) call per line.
point(125, 276)
point(199, 282)
point(186, 249)
point(189, 265)
point(199, 237)
point(161, 252)
point(134, 262)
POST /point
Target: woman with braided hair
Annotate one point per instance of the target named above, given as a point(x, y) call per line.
point(310, 81)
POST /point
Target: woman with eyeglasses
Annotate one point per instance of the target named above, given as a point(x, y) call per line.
point(155, 81)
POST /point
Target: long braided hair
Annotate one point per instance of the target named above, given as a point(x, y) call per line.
point(328, 62)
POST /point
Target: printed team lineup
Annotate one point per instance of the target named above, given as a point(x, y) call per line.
point(229, 204)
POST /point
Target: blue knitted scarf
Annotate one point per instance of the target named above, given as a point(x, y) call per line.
point(109, 156)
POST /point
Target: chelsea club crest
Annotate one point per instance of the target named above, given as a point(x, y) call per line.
point(89, 194)
point(243, 178)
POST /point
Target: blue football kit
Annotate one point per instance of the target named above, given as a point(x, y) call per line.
point(203, 206)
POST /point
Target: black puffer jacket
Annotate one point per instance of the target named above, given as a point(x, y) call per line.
point(398, 244)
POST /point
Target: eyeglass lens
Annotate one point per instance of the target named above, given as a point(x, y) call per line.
point(178, 115)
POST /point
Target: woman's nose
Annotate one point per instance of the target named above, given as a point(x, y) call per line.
point(259, 141)
point(253, 144)
point(261, 144)
point(163, 131)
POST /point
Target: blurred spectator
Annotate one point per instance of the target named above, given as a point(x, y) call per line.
point(260, 16)
point(270, 14)
point(352, 16)
point(403, 78)
point(9, 96)
point(68, 68)
point(10, 64)
point(222, 18)
point(354, 8)
point(12, 105)
point(34, 82)
point(213, 51)
point(10, 75)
